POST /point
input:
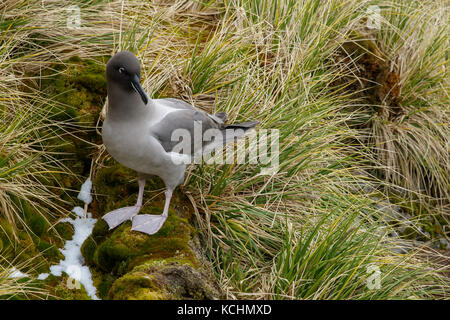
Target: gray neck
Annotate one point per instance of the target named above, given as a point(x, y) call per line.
point(124, 105)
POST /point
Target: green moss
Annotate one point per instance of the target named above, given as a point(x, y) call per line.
point(138, 286)
point(132, 265)
point(78, 84)
point(113, 186)
point(123, 244)
point(101, 228)
point(25, 246)
point(88, 250)
point(33, 219)
point(19, 247)
point(38, 225)
point(105, 285)
point(65, 288)
point(117, 249)
point(90, 245)
point(116, 186)
point(49, 251)
point(78, 87)
point(164, 279)
point(64, 230)
point(6, 232)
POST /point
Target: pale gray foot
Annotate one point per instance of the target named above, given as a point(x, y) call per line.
point(150, 223)
point(118, 216)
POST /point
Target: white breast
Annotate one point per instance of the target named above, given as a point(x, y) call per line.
point(130, 142)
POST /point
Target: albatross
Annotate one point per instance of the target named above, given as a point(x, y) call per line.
point(138, 133)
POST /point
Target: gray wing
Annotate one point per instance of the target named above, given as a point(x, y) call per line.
point(176, 103)
point(184, 118)
point(220, 117)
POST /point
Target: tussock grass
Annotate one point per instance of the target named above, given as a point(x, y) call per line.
point(306, 231)
point(406, 120)
point(416, 45)
point(24, 164)
point(32, 37)
point(13, 286)
point(39, 34)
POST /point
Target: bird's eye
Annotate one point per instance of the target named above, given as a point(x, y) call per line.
point(121, 70)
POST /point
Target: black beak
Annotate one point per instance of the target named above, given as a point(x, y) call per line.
point(137, 87)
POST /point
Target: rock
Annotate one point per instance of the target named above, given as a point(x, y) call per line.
point(65, 288)
point(131, 265)
point(161, 280)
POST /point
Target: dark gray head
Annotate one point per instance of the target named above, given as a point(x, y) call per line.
point(124, 70)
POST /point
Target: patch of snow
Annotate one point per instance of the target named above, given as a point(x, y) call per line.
point(73, 263)
point(43, 276)
point(79, 211)
point(16, 273)
point(85, 192)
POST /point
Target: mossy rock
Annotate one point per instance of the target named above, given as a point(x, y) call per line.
point(122, 245)
point(65, 230)
point(116, 186)
point(6, 232)
point(36, 245)
point(103, 282)
point(137, 286)
point(80, 85)
point(162, 280)
point(49, 251)
point(65, 288)
point(132, 265)
point(21, 247)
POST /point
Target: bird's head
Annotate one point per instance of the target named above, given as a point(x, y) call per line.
point(124, 70)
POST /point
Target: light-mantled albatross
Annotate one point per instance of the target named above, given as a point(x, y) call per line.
point(137, 132)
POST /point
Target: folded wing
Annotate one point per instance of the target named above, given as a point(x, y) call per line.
point(190, 122)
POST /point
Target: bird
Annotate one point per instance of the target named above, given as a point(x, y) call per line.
point(138, 133)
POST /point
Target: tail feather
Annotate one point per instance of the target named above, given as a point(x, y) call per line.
point(226, 138)
point(242, 125)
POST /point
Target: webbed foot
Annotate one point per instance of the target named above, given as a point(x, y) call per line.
point(148, 223)
point(118, 216)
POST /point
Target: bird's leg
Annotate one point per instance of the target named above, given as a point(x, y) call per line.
point(149, 223)
point(118, 216)
point(168, 194)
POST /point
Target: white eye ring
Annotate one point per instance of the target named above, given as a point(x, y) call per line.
point(121, 70)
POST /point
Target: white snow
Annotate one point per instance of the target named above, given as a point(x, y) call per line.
point(85, 192)
point(16, 273)
point(43, 276)
point(78, 211)
point(73, 264)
